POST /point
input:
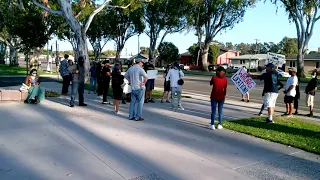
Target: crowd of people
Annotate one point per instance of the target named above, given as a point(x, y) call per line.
point(141, 87)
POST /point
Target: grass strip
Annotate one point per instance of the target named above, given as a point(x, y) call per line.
point(294, 132)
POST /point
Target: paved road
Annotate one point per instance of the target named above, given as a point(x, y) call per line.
point(200, 85)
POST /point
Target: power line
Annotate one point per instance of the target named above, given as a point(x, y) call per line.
point(256, 51)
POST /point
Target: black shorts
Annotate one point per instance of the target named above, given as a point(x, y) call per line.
point(167, 86)
point(288, 99)
point(150, 85)
point(117, 93)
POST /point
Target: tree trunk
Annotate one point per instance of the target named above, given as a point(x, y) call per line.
point(205, 54)
point(12, 56)
point(82, 50)
point(300, 63)
point(152, 49)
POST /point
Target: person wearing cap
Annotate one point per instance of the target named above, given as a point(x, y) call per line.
point(290, 92)
point(270, 90)
point(106, 77)
point(310, 90)
point(137, 78)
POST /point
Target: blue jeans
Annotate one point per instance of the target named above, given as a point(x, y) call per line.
point(93, 84)
point(175, 90)
point(137, 98)
point(77, 88)
point(214, 110)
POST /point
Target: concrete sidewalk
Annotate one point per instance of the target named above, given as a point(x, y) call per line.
point(54, 141)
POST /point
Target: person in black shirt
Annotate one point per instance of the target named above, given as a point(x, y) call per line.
point(166, 92)
point(117, 81)
point(99, 80)
point(311, 89)
point(297, 97)
point(270, 90)
point(106, 76)
point(150, 83)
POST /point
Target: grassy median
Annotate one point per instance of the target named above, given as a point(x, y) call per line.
point(294, 132)
point(6, 70)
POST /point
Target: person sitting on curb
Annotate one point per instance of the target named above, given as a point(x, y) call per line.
point(311, 89)
point(35, 93)
point(219, 85)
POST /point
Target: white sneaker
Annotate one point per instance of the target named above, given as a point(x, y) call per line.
point(219, 126)
point(211, 127)
point(181, 108)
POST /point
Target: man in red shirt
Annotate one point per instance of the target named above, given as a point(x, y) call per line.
point(218, 94)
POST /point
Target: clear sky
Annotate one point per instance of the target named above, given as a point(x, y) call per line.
point(263, 22)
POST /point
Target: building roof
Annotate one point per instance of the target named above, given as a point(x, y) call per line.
point(140, 56)
point(309, 57)
point(186, 54)
point(250, 57)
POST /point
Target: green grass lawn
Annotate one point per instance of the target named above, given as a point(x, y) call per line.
point(6, 70)
point(294, 132)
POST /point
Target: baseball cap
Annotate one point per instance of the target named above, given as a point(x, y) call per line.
point(270, 65)
point(293, 69)
point(139, 60)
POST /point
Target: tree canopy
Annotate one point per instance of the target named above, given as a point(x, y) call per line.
point(168, 52)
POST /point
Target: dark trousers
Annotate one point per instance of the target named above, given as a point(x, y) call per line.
point(65, 84)
point(296, 103)
point(105, 89)
point(100, 87)
point(77, 88)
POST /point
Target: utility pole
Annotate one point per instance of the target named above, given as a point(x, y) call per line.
point(257, 50)
point(138, 44)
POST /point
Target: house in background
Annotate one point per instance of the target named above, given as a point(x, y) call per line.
point(311, 62)
point(223, 58)
point(251, 61)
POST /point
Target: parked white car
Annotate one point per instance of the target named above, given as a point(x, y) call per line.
point(186, 68)
point(280, 72)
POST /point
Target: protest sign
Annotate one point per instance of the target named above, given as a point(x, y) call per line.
point(243, 81)
point(152, 74)
point(276, 59)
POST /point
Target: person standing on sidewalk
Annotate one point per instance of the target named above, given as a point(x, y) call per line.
point(219, 85)
point(290, 92)
point(311, 89)
point(106, 77)
point(99, 80)
point(247, 95)
point(137, 78)
point(78, 78)
point(117, 81)
point(166, 92)
point(93, 78)
point(175, 75)
point(297, 98)
point(271, 90)
point(150, 83)
point(65, 75)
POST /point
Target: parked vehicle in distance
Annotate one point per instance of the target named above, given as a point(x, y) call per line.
point(280, 72)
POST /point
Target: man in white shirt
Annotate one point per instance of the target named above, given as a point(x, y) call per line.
point(290, 91)
point(137, 78)
point(175, 75)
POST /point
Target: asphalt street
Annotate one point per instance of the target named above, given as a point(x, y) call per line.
point(200, 85)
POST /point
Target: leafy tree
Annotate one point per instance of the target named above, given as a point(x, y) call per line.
point(79, 28)
point(124, 23)
point(229, 46)
point(163, 15)
point(217, 16)
point(304, 14)
point(313, 52)
point(289, 47)
point(109, 53)
point(214, 52)
point(99, 34)
point(168, 52)
point(245, 48)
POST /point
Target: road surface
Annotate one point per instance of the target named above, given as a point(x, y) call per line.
point(200, 85)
